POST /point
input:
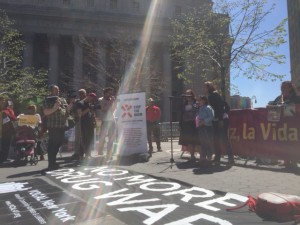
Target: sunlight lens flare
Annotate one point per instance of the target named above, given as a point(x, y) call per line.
point(132, 76)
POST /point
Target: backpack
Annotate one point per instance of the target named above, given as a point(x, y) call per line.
point(274, 206)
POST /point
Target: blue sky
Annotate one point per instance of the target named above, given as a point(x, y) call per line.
point(268, 91)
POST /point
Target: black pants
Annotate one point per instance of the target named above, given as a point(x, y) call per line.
point(56, 139)
point(220, 138)
point(5, 145)
point(87, 136)
point(153, 128)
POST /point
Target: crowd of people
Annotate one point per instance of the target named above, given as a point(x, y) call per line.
point(59, 114)
point(82, 112)
point(204, 123)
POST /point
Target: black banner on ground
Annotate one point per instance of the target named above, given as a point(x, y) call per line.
point(142, 199)
point(37, 202)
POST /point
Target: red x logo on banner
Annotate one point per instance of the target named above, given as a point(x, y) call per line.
point(126, 110)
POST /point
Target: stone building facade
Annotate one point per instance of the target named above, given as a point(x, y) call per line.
point(294, 37)
point(52, 30)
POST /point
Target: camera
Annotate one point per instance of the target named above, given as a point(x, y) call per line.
point(51, 100)
point(95, 105)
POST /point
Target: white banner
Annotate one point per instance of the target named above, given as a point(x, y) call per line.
point(131, 124)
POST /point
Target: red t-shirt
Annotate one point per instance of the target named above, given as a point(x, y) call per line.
point(10, 113)
point(152, 113)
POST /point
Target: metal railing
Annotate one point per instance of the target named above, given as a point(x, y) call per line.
point(165, 131)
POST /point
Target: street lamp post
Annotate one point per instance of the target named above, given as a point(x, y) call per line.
point(253, 99)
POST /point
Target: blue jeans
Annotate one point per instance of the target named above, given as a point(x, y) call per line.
point(205, 134)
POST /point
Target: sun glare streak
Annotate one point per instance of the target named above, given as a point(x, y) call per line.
point(132, 76)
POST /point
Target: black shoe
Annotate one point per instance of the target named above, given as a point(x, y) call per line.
point(230, 161)
point(192, 160)
point(50, 168)
point(75, 156)
point(290, 165)
point(159, 150)
point(216, 162)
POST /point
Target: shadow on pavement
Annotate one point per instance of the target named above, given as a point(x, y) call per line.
point(211, 169)
point(14, 164)
point(26, 174)
point(272, 168)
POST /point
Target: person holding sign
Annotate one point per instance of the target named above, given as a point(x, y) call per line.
point(288, 96)
point(31, 118)
point(153, 116)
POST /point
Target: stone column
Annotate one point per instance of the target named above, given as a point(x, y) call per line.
point(53, 58)
point(77, 64)
point(167, 78)
point(28, 50)
point(101, 73)
point(146, 70)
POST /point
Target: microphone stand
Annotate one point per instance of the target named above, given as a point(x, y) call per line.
point(171, 133)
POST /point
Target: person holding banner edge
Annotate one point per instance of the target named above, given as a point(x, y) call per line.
point(288, 96)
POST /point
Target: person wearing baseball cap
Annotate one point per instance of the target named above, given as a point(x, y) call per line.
point(153, 116)
point(92, 95)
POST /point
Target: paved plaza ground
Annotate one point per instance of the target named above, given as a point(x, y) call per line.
point(245, 177)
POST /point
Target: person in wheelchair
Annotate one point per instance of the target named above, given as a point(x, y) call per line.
point(27, 133)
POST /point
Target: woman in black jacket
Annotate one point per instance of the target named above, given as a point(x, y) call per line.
point(220, 122)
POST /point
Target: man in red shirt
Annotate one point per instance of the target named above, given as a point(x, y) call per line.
point(153, 117)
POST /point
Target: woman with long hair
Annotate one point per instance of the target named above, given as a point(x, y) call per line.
point(220, 122)
point(188, 132)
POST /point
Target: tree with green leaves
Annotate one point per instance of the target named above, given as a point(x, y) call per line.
point(125, 65)
point(212, 40)
point(16, 82)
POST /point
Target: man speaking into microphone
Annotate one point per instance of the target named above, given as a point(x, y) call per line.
point(153, 116)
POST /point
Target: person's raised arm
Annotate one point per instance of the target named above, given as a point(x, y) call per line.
point(49, 111)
